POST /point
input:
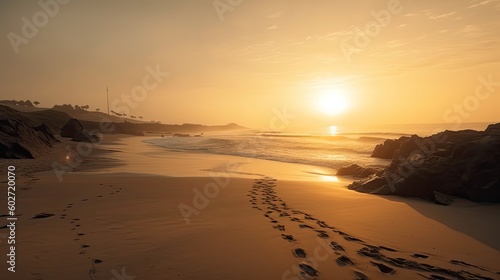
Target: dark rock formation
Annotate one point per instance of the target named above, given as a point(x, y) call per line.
point(355, 171)
point(458, 163)
point(74, 130)
point(46, 134)
point(388, 148)
point(18, 140)
point(493, 129)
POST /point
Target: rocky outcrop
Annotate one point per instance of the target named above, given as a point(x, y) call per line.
point(493, 129)
point(74, 130)
point(458, 163)
point(46, 134)
point(19, 140)
point(388, 148)
point(355, 171)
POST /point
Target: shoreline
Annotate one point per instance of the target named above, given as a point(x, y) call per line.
point(124, 211)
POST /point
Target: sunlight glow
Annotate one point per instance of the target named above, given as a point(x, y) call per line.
point(332, 101)
point(333, 130)
point(329, 178)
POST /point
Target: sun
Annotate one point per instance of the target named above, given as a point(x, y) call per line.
point(332, 101)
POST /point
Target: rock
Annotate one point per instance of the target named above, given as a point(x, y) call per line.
point(19, 140)
point(74, 129)
point(493, 129)
point(450, 163)
point(388, 148)
point(355, 171)
point(46, 134)
point(442, 199)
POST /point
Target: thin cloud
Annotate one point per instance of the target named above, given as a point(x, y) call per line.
point(272, 27)
point(275, 15)
point(443, 15)
point(482, 3)
point(469, 29)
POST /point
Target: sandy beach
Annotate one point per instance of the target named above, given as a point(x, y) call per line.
point(250, 140)
point(120, 216)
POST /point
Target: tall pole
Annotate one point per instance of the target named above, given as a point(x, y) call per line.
point(107, 97)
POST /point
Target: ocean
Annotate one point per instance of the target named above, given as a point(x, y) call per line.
point(346, 145)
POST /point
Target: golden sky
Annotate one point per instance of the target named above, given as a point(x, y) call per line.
point(243, 61)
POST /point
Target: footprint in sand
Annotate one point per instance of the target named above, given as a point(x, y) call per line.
point(42, 215)
point(308, 270)
point(335, 246)
point(437, 277)
point(388, 249)
point(420, 256)
point(354, 239)
point(264, 194)
point(288, 237)
point(309, 217)
point(279, 227)
point(344, 260)
point(383, 268)
point(359, 276)
point(305, 226)
point(299, 253)
point(322, 234)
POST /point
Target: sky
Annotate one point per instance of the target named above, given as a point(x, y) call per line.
point(262, 64)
